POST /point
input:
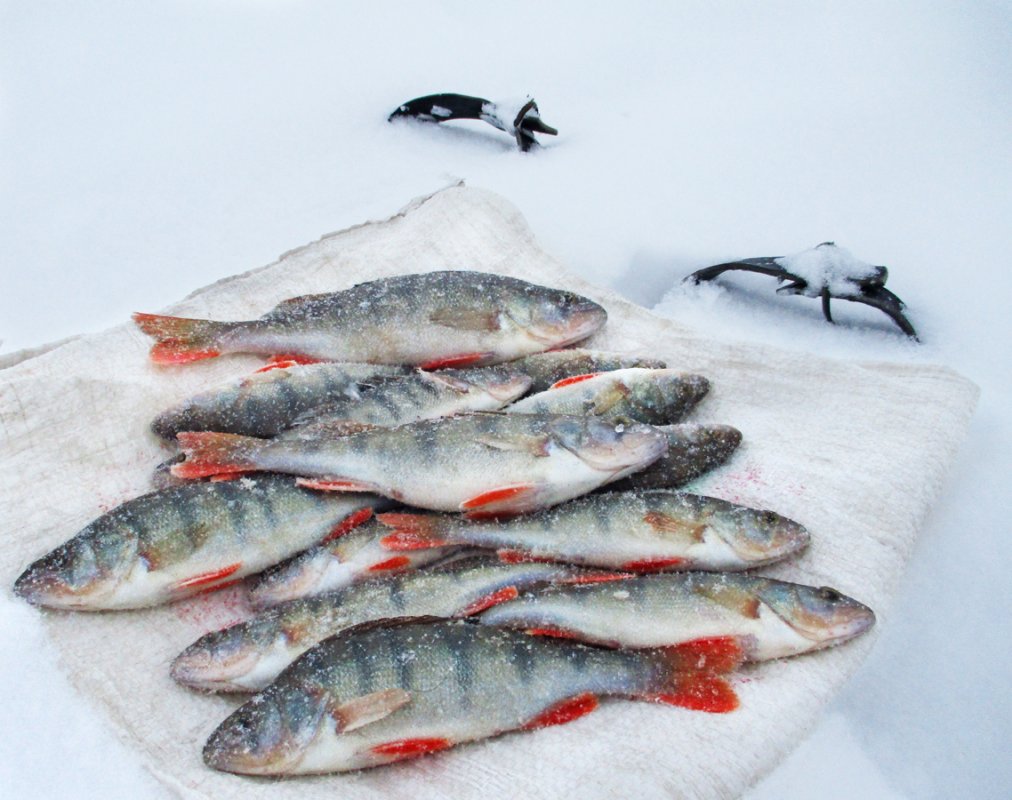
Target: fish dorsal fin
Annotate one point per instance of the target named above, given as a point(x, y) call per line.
point(535, 445)
point(368, 708)
point(666, 523)
point(731, 597)
point(466, 319)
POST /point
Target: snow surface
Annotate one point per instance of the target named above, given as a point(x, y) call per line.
point(150, 149)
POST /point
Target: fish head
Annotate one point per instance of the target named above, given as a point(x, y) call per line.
point(615, 446)
point(80, 572)
point(269, 734)
point(665, 396)
point(501, 383)
point(759, 536)
point(819, 613)
point(553, 317)
point(221, 660)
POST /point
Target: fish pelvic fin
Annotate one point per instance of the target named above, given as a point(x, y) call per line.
point(209, 453)
point(179, 340)
point(412, 531)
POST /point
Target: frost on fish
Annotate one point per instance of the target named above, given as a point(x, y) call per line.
point(266, 403)
point(248, 656)
point(693, 450)
point(170, 544)
point(355, 555)
point(377, 694)
point(761, 618)
point(484, 463)
point(639, 531)
point(431, 320)
point(828, 266)
point(652, 396)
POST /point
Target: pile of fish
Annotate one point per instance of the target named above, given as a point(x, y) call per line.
point(450, 527)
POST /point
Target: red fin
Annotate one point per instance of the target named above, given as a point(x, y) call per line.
point(391, 563)
point(489, 600)
point(210, 453)
point(410, 748)
point(285, 360)
point(220, 586)
point(520, 557)
point(596, 577)
point(323, 485)
point(179, 340)
point(699, 693)
point(566, 711)
point(276, 365)
point(456, 361)
point(573, 379)
point(350, 522)
point(556, 633)
point(208, 577)
point(410, 531)
point(653, 564)
point(497, 495)
point(712, 654)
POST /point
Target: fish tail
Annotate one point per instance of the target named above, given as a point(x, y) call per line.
point(412, 531)
point(180, 340)
point(692, 675)
point(209, 453)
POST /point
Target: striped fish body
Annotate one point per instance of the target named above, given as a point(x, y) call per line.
point(636, 530)
point(374, 696)
point(355, 556)
point(761, 617)
point(547, 369)
point(653, 396)
point(437, 319)
point(693, 450)
point(266, 403)
point(481, 463)
point(393, 401)
point(248, 656)
point(170, 544)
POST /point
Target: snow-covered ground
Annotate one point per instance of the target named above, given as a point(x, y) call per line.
point(147, 149)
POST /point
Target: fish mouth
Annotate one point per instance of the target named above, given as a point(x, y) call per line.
point(47, 583)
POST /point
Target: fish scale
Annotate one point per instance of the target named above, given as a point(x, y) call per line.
point(247, 656)
point(378, 694)
point(171, 543)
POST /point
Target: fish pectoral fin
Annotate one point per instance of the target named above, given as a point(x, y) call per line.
point(535, 445)
point(334, 485)
point(466, 319)
point(733, 598)
point(455, 384)
point(666, 523)
point(608, 399)
point(368, 708)
point(511, 499)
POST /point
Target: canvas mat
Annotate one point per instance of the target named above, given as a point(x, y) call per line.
point(855, 451)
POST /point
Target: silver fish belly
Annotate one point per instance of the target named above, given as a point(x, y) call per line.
point(170, 544)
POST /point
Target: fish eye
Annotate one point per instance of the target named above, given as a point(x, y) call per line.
point(830, 595)
point(768, 517)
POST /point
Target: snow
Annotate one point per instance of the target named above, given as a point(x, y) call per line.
point(147, 150)
point(828, 266)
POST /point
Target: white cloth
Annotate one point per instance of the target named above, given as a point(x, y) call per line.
point(856, 452)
